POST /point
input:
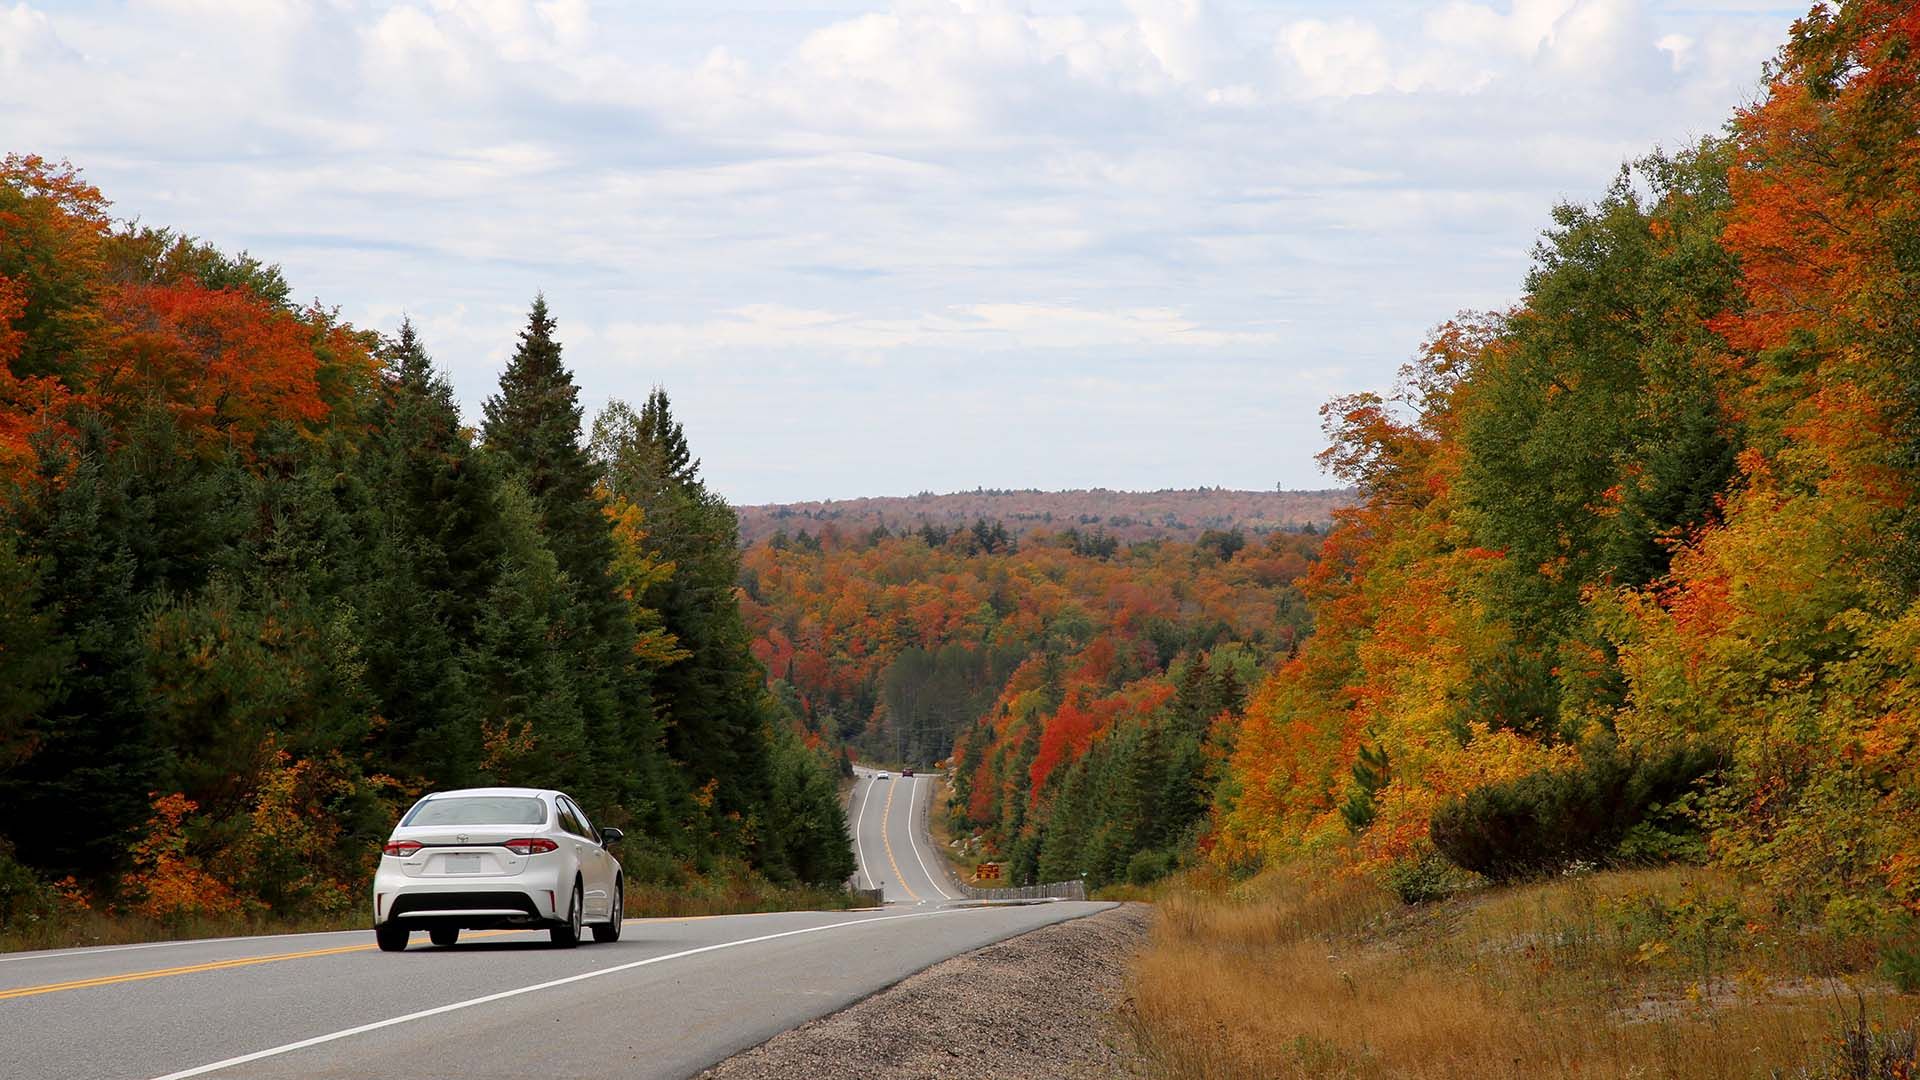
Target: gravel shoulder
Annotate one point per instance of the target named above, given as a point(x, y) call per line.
point(1045, 1004)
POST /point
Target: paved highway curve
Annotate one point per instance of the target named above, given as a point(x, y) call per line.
point(670, 998)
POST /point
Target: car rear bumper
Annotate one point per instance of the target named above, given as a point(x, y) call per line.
point(533, 897)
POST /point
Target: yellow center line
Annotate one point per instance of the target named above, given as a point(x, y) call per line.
point(886, 812)
point(189, 969)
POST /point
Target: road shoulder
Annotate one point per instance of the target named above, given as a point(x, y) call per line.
point(1046, 1003)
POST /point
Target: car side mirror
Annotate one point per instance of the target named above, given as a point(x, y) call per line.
point(609, 837)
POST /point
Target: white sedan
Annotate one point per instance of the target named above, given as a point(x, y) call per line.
point(492, 857)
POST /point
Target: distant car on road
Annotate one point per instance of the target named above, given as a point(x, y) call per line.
point(497, 857)
point(906, 772)
point(881, 776)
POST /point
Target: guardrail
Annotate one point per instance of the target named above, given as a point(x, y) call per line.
point(1058, 890)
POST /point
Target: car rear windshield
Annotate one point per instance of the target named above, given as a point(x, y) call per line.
point(479, 810)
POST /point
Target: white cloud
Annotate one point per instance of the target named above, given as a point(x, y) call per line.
point(994, 326)
point(906, 214)
point(1338, 59)
point(27, 34)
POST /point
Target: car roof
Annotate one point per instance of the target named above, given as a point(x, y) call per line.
point(524, 792)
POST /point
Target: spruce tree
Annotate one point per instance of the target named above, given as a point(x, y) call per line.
point(436, 552)
point(532, 428)
point(712, 701)
point(715, 705)
point(534, 419)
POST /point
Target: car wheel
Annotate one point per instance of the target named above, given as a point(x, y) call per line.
point(610, 930)
point(568, 935)
point(392, 936)
point(444, 935)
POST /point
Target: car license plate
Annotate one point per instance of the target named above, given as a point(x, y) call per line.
point(463, 863)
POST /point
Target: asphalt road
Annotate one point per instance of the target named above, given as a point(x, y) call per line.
point(670, 998)
point(890, 841)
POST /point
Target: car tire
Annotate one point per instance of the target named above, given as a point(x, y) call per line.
point(391, 936)
point(567, 934)
point(444, 935)
point(609, 931)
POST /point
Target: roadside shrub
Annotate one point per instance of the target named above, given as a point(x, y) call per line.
point(1147, 867)
point(24, 897)
point(1545, 821)
point(1900, 965)
point(1429, 877)
point(645, 864)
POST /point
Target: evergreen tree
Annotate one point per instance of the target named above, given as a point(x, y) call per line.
point(720, 721)
point(532, 427)
point(436, 553)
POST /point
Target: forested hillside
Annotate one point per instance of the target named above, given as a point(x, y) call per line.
point(1635, 575)
point(1123, 515)
point(1024, 651)
point(260, 588)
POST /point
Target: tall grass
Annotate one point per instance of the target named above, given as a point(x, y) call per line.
point(1642, 974)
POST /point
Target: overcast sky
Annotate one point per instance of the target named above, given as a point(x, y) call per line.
point(876, 248)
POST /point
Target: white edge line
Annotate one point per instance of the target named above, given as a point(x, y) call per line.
point(258, 1055)
point(858, 854)
point(871, 883)
point(913, 838)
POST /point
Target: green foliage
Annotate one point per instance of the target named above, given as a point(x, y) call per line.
point(1546, 821)
point(1223, 544)
point(24, 897)
point(285, 643)
point(1371, 771)
point(1899, 964)
point(1424, 878)
point(716, 720)
point(1147, 867)
point(1593, 435)
point(31, 658)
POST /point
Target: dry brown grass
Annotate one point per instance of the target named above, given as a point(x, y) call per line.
point(1641, 974)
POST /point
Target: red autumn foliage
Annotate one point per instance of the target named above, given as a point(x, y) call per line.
point(222, 362)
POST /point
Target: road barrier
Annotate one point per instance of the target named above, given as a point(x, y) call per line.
point(1058, 890)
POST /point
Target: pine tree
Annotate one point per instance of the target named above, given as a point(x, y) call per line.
point(532, 427)
point(714, 702)
point(436, 552)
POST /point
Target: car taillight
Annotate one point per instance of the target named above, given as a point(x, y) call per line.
point(400, 849)
point(530, 846)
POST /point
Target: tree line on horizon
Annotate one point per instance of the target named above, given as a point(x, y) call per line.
point(1168, 514)
point(260, 588)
